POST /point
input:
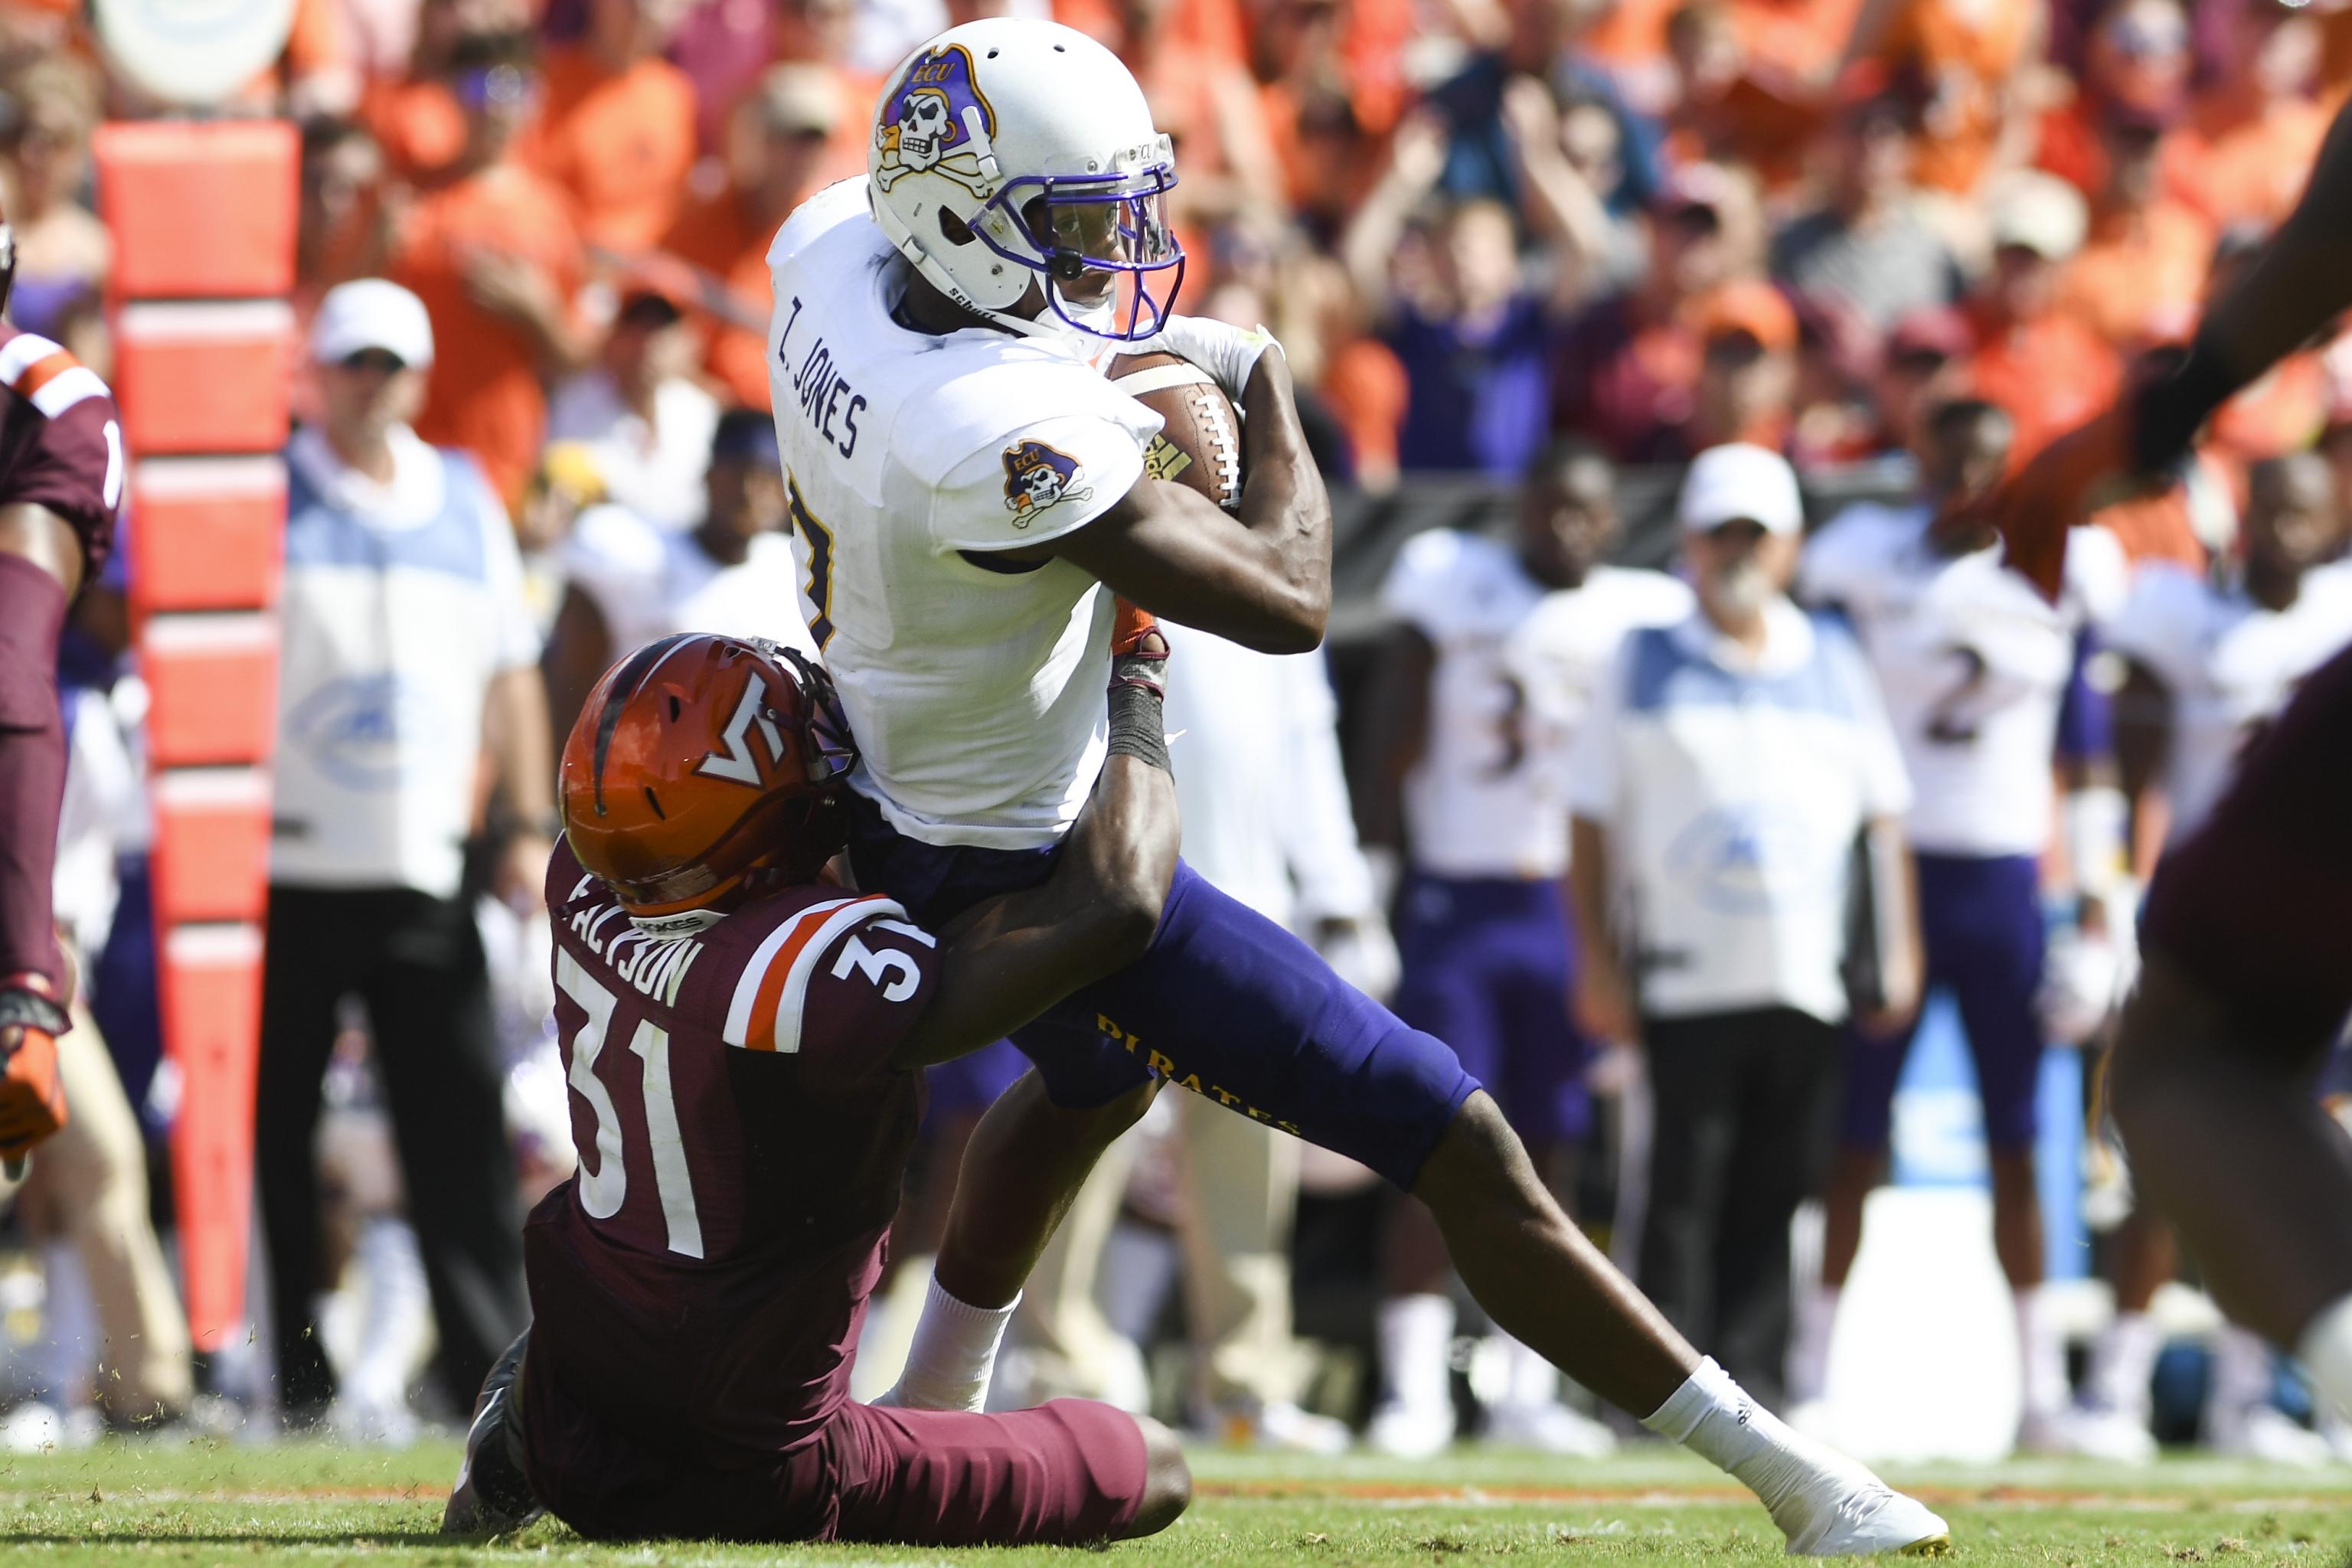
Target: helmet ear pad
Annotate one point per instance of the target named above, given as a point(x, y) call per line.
point(953, 229)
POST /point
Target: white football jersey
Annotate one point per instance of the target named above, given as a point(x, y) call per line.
point(1515, 669)
point(2229, 664)
point(1973, 662)
point(976, 695)
point(649, 582)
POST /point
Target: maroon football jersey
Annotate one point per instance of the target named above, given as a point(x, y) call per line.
point(743, 1139)
point(60, 441)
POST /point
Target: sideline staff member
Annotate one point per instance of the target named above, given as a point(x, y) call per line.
point(409, 652)
point(1729, 764)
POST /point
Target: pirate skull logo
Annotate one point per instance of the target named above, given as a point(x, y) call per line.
point(923, 128)
point(1037, 478)
point(942, 124)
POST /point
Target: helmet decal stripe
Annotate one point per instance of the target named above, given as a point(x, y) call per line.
point(617, 698)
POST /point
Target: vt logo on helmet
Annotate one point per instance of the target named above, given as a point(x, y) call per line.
point(703, 771)
point(1016, 164)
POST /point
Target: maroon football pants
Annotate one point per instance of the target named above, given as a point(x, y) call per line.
point(32, 763)
point(1067, 1473)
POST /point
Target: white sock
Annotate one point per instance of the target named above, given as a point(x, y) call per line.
point(1416, 1346)
point(395, 1315)
point(2325, 1351)
point(1809, 1345)
point(2122, 1364)
point(1531, 1382)
point(2041, 1355)
point(1713, 1417)
point(69, 1354)
point(2245, 1371)
point(954, 1352)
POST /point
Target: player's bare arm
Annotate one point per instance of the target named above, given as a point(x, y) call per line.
point(1011, 958)
point(2301, 283)
point(1261, 578)
point(46, 540)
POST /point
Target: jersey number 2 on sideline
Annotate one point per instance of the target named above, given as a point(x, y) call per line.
point(820, 549)
point(1957, 715)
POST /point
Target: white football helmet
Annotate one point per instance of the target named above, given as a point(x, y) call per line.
point(1007, 152)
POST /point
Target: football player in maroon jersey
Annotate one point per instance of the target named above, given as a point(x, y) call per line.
point(60, 484)
point(743, 1038)
point(2247, 932)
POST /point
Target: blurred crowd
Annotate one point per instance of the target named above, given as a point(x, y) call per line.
point(1474, 224)
point(1479, 228)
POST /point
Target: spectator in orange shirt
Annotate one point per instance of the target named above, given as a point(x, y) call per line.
point(820, 33)
point(2139, 279)
point(2135, 64)
point(777, 142)
point(617, 132)
point(1206, 103)
point(1974, 56)
point(2250, 140)
point(1799, 40)
point(2046, 369)
point(1734, 108)
point(1209, 29)
point(1747, 374)
point(1328, 160)
point(415, 118)
point(492, 253)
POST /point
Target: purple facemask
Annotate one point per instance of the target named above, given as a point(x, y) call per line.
point(1113, 227)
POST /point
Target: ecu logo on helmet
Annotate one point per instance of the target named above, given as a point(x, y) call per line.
point(1038, 478)
point(942, 124)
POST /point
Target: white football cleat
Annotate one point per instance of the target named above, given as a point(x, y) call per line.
point(2110, 1434)
point(1402, 1432)
point(2080, 1433)
point(1845, 1511)
point(1553, 1428)
point(2270, 1434)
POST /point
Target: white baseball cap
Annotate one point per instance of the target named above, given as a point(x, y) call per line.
point(2039, 213)
point(372, 313)
point(1739, 481)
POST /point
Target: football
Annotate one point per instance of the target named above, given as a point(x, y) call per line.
point(1201, 443)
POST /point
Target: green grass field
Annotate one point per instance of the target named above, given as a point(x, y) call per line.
point(215, 1503)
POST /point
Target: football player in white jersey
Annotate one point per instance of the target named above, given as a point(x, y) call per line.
point(2211, 661)
point(629, 582)
point(1975, 665)
point(968, 492)
point(1472, 710)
